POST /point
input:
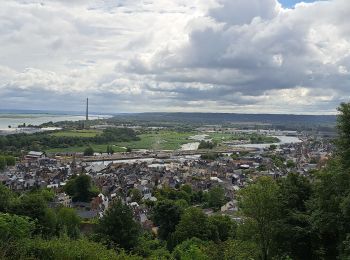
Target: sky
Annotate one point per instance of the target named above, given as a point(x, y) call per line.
point(292, 3)
point(241, 56)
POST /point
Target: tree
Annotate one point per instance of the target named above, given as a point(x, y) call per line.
point(34, 205)
point(329, 203)
point(290, 164)
point(166, 214)
point(110, 150)
point(89, 151)
point(216, 197)
point(193, 223)
point(118, 226)
point(206, 145)
point(295, 233)
point(261, 209)
point(2, 163)
point(191, 249)
point(10, 160)
point(13, 227)
point(150, 248)
point(48, 223)
point(224, 227)
point(136, 195)
point(343, 140)
point(241, 250)
point(81, 188)
point(65, 248)
point(187, 188)
point(68, 221)
point(6, 199)
point(272, 147)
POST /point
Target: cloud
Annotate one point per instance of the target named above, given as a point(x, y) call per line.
point(175, 55)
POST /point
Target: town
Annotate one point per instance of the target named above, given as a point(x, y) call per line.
point(137, 177)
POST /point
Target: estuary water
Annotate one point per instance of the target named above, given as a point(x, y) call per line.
point(13, 120)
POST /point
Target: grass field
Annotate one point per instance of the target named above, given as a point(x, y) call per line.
point(98, 148)
point(220, 137)
point(77, 133)
point(162, 140)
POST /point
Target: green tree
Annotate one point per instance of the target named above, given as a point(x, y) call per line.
point(343, 140)
point(327, 216)
point(34, 205)
point(89, 151)
point(193, 223)
point(216, 197)
point(241, 250)
point(150, 248)
point(2, 163)
point(13, 227)
point(272, 147)
point(224, 227)
point(191, 249)
point(166, 214)
point(64, 248)
point(329, 204)
point(49, 223)
point(187, 188)
point(295, 234)
point(118, 226)
point(136, 195)
point(10, 160)
point(260, 207)
point(110, 150)
point(290, 164)
point(6, 199)
point(68, 221)
point(81, 188)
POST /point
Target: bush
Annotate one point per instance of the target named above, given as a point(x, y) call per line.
point(89, 151)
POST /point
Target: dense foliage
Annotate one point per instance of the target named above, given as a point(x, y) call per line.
point(80, 188)
point(117, 227)
point(206, 145)
point(6, 160)
point(43, 141)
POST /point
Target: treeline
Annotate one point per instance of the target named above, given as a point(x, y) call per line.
point(6, 160)
point(206, 145)
point(31, 229)
point(42, 141)
point(261, 139)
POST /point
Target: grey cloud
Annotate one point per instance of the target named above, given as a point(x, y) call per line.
point(173, 55)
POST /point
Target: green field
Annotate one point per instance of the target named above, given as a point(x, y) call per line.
point(77, 133)
point(223, 137)
point(157, 140)
point(162, 140)
point(98, 148)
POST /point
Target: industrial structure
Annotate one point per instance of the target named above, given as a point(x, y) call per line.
point(87, 109)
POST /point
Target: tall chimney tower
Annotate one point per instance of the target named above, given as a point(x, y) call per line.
point(87, 109)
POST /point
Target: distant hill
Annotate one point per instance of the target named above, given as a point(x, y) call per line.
point(228, 118)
